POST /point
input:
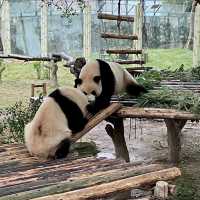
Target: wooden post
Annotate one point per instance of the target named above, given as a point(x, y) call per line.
point(137, 28)
point(54, 70)
point(5, 26)
point(44, 29)
point(196, 45)
point(87, 32)
point(174, 128)
point(117, 136)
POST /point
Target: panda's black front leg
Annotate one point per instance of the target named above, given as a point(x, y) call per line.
point(99, 104)
point(63, 149)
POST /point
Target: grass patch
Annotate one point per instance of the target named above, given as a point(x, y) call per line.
point(169, 58)
point(17, 78)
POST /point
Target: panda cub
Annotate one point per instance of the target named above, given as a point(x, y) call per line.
point(61, 114)
point(99, 80)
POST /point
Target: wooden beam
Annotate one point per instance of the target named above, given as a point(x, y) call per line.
point(99, 117)
point(115, 17)
point(118, 36)
point(155, 113)
point(123, 51)
point(127, 62)
point(116, 186)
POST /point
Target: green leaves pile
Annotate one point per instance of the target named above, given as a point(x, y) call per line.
point(167, 97)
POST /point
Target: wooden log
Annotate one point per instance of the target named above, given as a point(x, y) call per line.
point(117, 136)
point(174, 128)
point(25, 58)
point(118, 36)
point(115, 17)
point(127, 62)
point(116, 186)
point(161, 190)
point(154, 113)
point(96, 179)
point(123, 51)
point(99, 117)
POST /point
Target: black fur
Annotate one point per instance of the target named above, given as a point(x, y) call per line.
point(74, 115)
point(63, 149)
point(108, 88)
point(135, 90)
point(77, 82)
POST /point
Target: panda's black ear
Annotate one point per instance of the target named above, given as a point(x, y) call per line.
point(77, 81)
point(97, 79)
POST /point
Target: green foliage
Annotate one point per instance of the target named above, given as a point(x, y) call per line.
point(41, 71)
point(166, 97)
point(37, 67)
point(14, 119)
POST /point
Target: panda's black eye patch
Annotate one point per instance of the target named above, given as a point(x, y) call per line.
point(93, 93)
point(97, 79)
point(78, 81)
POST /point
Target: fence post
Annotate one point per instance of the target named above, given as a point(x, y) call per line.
point(87, 31)
point(5, 26)
point(196, 45)
point(44, 29)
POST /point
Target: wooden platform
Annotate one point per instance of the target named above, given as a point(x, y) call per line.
point(23, 177)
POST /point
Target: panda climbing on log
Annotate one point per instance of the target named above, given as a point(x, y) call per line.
point(62, 114)
point(99, 80)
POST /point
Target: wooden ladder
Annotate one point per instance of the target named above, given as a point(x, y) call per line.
point(132, 37)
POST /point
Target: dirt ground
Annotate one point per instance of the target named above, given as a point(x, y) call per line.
point(148, 143)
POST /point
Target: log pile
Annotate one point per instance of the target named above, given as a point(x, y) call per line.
point(25, 177)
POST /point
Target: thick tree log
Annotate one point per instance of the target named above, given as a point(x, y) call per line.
point(117, 36)
point(115, 17)
point(123, 51)
point(116, 186)
point(174, 128)
point(155, 113)
point(117, 136)
point(127, 62)
point(97, 119)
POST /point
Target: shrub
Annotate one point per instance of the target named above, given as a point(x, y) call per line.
point(14, 119)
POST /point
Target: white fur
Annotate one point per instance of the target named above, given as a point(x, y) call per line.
point(91, 69)
point(50, 126)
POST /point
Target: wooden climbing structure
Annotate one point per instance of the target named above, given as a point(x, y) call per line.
point(135, 38)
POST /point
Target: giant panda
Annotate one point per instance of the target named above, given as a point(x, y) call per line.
point(62, 114)
point(99, 80)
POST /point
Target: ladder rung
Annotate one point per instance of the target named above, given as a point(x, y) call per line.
point(115, 17)
point(123, 51)
point(139, 62)
point(118, 36)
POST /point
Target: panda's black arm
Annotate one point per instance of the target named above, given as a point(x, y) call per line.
point(100, 103)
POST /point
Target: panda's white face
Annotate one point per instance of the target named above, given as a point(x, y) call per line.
point(89, 81)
